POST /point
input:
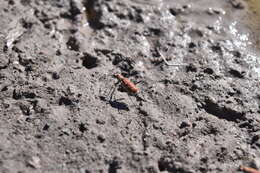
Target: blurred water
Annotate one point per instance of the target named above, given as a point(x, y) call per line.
point(254, 6)
point(235, 29)
point(254, 22)
point(148, 2)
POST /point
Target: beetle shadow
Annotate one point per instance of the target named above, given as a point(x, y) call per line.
point(117, 104)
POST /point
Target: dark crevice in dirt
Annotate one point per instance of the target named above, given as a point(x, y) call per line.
point(25, 109)
point(23, 94)
point(26, 24)
point(134, 15)
point(125, 64)
point(73, 44)
point(93, 14)
point(103, 51)
point(17, 50)
point(155, 32)
point(247, 124)
point(167, 164)
point(143, 112)
point(5, 88)
point(46, 127)
point(217, 48)
point(208, 71)
point(82, 128)
point(72, 12)
point(236, 54)
point(238, 4)
point(3, 67)
point(191, 68)
point(101, 138)
point(114, 165)
point(44, 18)
point(222, 112)
point(11, 2)
point(222, 154)
point(118, 58)
point(89, 61)
point(174, 11)
point(236, 73)
point(55, 76)
point(65, 101)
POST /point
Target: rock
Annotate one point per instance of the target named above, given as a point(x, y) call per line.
point(34, 162)
point(84, 170)
point(238, 4)
point(212, 11)
point(14, 34)
point(4, 61)
point(256, 163)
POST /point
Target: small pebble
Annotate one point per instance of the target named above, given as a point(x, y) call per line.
point(34, 162)
point(55, 75)
point(99, 121)
point(256, 163)
point(101, 138)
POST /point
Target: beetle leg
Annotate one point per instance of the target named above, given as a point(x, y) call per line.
point(112, 91)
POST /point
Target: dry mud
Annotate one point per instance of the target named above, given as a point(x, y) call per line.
point(57, 61)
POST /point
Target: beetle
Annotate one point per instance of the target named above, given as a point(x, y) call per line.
point(127, 83)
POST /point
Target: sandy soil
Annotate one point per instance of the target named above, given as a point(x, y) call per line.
point(57, 64)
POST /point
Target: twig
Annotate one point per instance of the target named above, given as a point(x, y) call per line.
point(167, 63)
point(248, 170)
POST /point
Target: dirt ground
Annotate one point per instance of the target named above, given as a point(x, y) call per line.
point(59, 113)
